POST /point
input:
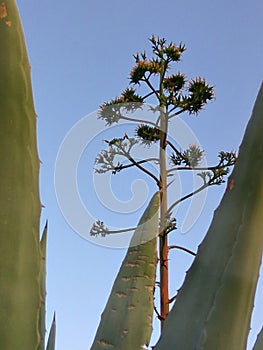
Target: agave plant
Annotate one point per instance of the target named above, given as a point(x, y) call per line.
point(22, 253)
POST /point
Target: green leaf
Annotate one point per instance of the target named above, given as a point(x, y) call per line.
point(19, 200)
point(259, 342)
point(42, 314)
point(213, 308)
point(52, 335)
point(126, 322)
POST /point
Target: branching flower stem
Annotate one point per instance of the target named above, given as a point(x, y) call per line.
point(142, 121)
point(150, 94)
point(201, 188)
point(111, 232)
point(182, 248)
point(172, 299)
point(147, 81)
point(133, 161)
point(139, 162)
point(157, 313)
point(176, 113)
point(196, 168)
point(174, 149)
point(162, 74)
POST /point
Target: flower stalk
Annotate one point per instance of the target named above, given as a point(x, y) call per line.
point(174, 95)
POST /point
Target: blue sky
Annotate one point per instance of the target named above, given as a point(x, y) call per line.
point(81, 55)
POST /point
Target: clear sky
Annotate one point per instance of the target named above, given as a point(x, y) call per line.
point(81, 54)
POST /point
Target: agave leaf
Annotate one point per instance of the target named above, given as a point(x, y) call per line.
point(19, 197)
point(126, 322)
point(259, 342)
point(213, 308)
point(42, 313)
point(52, 335)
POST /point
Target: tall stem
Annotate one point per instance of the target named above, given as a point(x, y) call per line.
point(163, 239)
